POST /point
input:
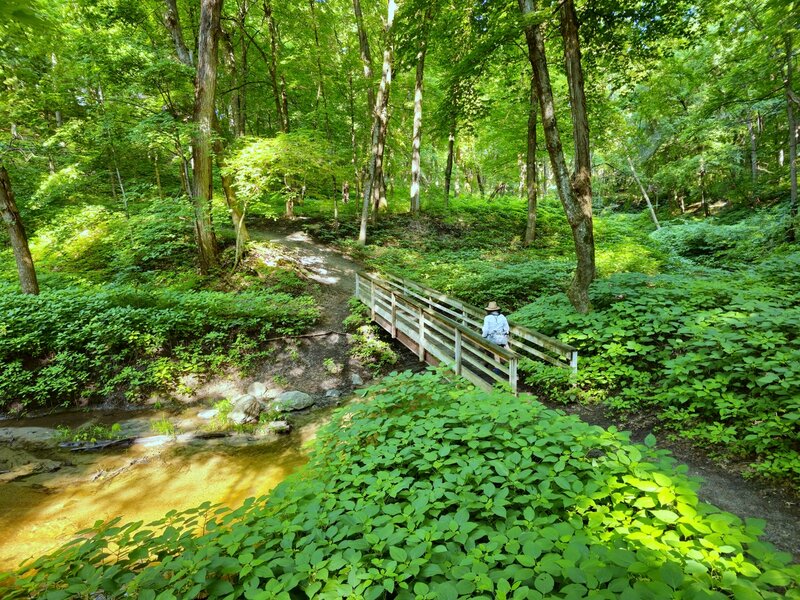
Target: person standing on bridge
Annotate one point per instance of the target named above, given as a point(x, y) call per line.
point(495, 326)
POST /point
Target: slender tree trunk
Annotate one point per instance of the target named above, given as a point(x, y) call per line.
point(204, 94)
point(530, 171)
point(158, 175)
point(753, 152)
point(644, 193)
point(703, 200)
point(320, 77)
point(353, 140)
point(574, 191)
point(272, 65)
point(234, 208)
point(366, 57)
point(113, 183)
point(234, 105)
point(791, 98)
point(448, 170)
point(479, 179)
point(16, 233)
point(580, 214)
point(416, 137)
point(245, 68)
point(372, 184)
point(173, 22)
point(285, 104)
point(545, 177)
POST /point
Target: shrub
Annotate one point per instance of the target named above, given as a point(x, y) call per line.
point(435, 490)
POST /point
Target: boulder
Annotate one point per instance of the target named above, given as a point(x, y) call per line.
point(261, 392)
point(293, 400)
point(245, 409)
point(333, 394)
point(208, 414)
point(355, 379)
point(280, 426)
point(257, 389)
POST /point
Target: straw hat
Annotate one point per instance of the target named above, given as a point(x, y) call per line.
point(492, 306)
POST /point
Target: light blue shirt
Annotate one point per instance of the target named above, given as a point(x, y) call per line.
point(495, 328)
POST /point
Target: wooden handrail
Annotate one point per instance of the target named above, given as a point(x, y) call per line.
point(525, 332)
point(479, 340)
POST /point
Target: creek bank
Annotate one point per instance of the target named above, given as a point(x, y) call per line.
point(30, 450)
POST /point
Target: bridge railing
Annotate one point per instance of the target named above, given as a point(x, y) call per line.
point(434, 336)
point(526, 342)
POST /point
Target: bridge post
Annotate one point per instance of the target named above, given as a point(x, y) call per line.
point(358, 286)
point(421, 349)
point(458, 352)
point(394, 315)
point(512, 375)
point(372, 299)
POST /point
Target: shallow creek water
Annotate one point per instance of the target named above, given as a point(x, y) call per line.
point(143, 482)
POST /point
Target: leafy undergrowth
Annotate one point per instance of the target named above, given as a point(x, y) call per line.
point(473, 249)
point(717, 355)
point(433, 490)
point(85, 343)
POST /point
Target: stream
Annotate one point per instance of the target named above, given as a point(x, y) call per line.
point(158, 473)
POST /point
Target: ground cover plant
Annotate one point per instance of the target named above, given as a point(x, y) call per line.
point(717, 355)
point(431, 489)
point(86, 343)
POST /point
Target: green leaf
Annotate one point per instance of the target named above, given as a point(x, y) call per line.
point(544, 583)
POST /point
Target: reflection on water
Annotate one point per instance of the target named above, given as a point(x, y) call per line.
point(42, 512)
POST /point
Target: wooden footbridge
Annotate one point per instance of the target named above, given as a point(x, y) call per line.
point(443, 330)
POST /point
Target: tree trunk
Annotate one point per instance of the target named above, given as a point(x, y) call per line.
point(353, 140)
point(791, 98)
point(234, 208)
point(703, 200)
point(321, 79)
point(644, 193)
point(158, 175)
point(204, 93)
point(173, 22)
point(416, 137)
point(16, 233)
point(581, 206)
point(448, 170)
point(753, 152)
point(530, 170)
point(366, 57)
point(234, 106)
point(272, 66)
point(575, 192)
point(372, 184)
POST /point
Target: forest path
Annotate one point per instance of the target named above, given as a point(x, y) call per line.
point(335, 273)
point(722, 484)
point(319, 361)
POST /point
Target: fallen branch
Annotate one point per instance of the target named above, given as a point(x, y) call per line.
point(307, 335)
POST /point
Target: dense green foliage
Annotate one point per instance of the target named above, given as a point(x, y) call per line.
point(431, 489)
point(87, 343)
point(718, 355)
